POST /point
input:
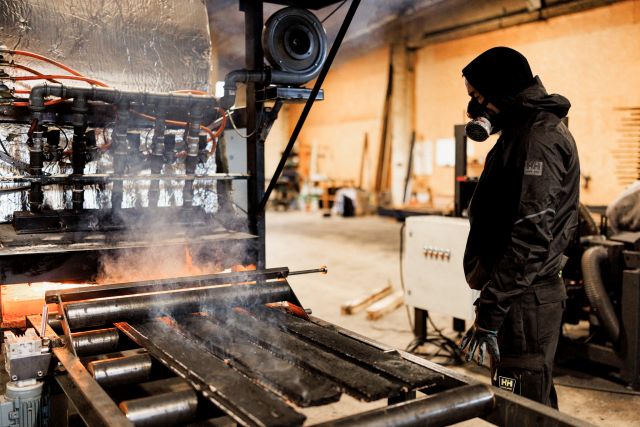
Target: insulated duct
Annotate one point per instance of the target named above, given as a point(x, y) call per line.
point(596, 292)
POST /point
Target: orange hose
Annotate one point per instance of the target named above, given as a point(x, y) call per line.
point(45, 59)
point(46, 104)
point(31, 70)
point(191, 91)
point(212, 135)
point(49, 76)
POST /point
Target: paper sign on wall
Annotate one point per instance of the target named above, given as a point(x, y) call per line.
point(445, 152)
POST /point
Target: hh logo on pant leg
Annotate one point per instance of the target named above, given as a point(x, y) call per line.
point(507, 383)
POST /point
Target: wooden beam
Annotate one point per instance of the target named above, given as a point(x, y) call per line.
point(356, 305)
point(385, 305)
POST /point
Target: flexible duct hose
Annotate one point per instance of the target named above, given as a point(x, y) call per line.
point(589, 226)
point(596, 293)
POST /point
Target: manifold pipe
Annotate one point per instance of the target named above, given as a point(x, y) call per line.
point(78, 147)
point(193, 139)
point(36, 163)
point(596, 292)
point(120, 152)
point(265, 76)
point(103, 311)
point(446, 408)
point(115, 96)
point(157, 153)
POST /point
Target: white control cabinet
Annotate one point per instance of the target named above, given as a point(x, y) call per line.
point(432, 266)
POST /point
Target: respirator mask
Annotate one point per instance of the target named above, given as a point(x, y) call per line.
point(480, 126)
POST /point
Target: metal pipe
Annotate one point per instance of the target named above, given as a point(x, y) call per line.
point(161, 285)
point(78, 157)
point(136, 307)
point(115, 96)
point(307, 106)
point(166, 409)
point(121, 370)
point(446, 408)
point(157, 153)
point(499, 22)
point(36, 163)
point(193, 137)
point(120, 152)
point(96, 342)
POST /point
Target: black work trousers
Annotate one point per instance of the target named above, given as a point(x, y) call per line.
point(528, 340)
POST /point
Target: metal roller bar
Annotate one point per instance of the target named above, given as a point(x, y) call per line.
point(94, 405)
point(96, 342)
point(103, 311)
point(298, 385)
point(242, 399)
point(121, 370)
point(165, 385)
point(161, 410)
point(386, 363)
point(129, 288)
point(449, 407)
point(510, 409)
point(358, 381)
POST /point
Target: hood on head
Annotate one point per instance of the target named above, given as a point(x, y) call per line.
point(499, 73)
point(535, 97)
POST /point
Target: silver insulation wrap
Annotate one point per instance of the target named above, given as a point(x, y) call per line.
point(138, 45)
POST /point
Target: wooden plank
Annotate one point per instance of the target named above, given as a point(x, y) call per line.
point(357, 381)
point(294, 383)
point(388, 364)
point(235, 394)
point(385, 305)
point(358, 304)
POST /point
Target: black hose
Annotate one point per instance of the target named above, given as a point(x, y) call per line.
point(596, 292)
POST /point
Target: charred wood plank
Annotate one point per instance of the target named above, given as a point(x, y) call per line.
point(357, 381)
point(243, 400)
point(389, 364)
point(287, 379)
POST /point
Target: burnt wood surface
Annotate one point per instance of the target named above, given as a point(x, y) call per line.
point(242, 399)
point(289, 380)
point(356, 380)
point(388, 364)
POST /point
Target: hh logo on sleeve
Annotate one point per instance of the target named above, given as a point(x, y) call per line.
point(507, 383)
point(533, 168)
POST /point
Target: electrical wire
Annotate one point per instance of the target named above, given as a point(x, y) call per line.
point(29, 70)
point(5, 149)
point(61, 77)
point(66, 138)
point(42, 58)
point(235, 128)
point(212, 135)
point(333, 11)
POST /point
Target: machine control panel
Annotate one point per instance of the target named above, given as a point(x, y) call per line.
point(432, 266)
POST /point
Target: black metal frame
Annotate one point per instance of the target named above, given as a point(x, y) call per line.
point(455, 397)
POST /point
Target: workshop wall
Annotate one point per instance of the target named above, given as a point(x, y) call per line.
point(590, 57)
point(354, 98)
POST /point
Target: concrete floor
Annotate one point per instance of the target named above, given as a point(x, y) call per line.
point(362, 254)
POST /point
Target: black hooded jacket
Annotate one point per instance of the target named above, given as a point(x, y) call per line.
point(524, 211)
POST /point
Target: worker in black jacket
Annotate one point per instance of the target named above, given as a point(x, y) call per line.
point(523, 215)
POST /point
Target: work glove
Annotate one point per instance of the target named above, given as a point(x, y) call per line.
point(480, 339)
